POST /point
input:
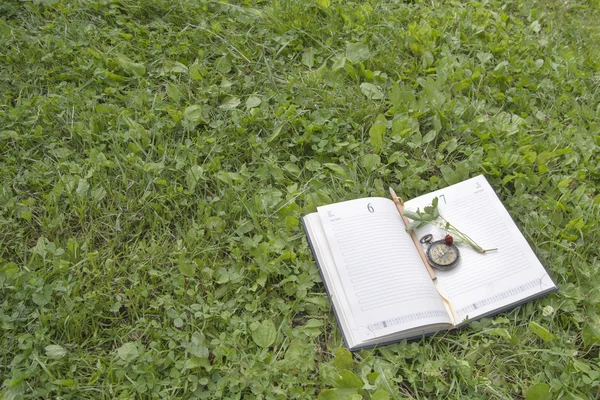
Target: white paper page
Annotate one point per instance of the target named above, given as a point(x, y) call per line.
point(385, 283)
point(332, 279)
point(482, 283)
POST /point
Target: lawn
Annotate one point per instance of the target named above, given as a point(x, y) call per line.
point(156, 157)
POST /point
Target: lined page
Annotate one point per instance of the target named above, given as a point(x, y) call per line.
point(482, 283)
point(385, 283)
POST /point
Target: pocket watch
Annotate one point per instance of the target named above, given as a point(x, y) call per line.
point(441, 254)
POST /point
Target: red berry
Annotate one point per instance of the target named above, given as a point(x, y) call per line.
point(449, 240)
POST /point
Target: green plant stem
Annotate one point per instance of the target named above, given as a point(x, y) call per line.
point(463, 236)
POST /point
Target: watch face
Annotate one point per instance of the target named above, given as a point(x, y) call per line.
point(442, 256)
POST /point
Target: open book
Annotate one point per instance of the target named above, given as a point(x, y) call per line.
point(378, 284)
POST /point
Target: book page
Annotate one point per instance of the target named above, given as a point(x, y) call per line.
point(385, 283)
point(483, 283)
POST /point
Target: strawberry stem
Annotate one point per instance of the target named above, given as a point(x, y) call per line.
point(430, 215)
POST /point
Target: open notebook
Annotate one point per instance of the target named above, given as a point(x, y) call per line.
point(380, 289)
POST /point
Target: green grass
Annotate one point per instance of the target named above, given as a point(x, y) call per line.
point(156, 156)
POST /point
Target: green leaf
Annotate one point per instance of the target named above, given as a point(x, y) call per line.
point(98, 194)
point(536, 26)
point(55, 351)
point(82, 188)
point(412, 215)
point(335, 168)
point(339, 62)
point(193, 176)
point(196, 71)
point(402, 98)
point(590, 334)
point(40, 247)
point(372, 377)
point(174, 67)
point(313, 327)
point(371, 91)
point(223, 65)
point(308, 57)
point(187, 268)
point(539, 391)
point(137, 69)
point(426, 217)
point(43, 296)
point(323, 3)
point(265, 334)
point(9, 271)
point(540, 331)
point(128, 351)
point(230, 103)
point(371, 161)
point(429, 136)
point(193, 113)
point(502, 332)
point(196, 346)
point(449, 175)
point(415, 225)
point(26, 215)
point(300, 354)
point(329, 394)
point(292, 168)
point(253, 101)
point(449, 146)
point(433, 92)
point(380, 395)
point(404, 126)
point(357, 52)
point(348, 380)
point(416, 49)
point(198, 362)
point(343, 359)
point(484, 57)
point(174, 93)
point(376, 133)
